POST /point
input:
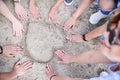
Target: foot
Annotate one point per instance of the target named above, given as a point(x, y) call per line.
point(20, 11)
point(96, 17)
point(53, 16)
point(49, 72)
point(11, 50)
point(65, 57)
point(35, 11)
point(70, 23)
point(68, 2)
point(75, 38)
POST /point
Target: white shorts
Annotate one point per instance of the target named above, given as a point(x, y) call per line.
point(112, 76)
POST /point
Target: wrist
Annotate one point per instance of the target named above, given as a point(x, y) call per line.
point(72, 59)
point(74, 16)
point(14, 74)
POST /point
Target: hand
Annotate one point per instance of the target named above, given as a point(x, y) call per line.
point(20, 69)
point(11, 50)
point(53, 17)
point(75, 38)
point(35, 11)
point(17, 29)
point(70, 23)
point(65, 58)
point(20, 11)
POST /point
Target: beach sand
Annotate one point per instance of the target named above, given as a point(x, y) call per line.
point(42, 38)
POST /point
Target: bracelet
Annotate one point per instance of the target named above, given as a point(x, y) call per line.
point(1, 50)
point(84, 38)
point(52, 77)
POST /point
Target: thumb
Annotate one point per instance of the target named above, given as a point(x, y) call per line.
point(73, 26)
point(18, 62)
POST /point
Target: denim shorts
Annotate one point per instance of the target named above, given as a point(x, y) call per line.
point(105, 12)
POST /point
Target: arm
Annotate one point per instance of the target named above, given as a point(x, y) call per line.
point(8, 75)
point(5, 11)
point(96, 32)
point(83, 6)
point(18, 70)
point(91, 57)
point(72, 21)
point(57, 5)
point(17, 26)
point(53, 12)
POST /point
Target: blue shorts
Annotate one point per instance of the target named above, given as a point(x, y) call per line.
point(105, 12)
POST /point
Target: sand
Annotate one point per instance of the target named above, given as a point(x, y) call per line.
point(42, 38)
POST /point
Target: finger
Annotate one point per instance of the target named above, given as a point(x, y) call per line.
point(17, 49)
point(60, 62)
point(19, 16)
point(17, 35)
point(70, 37)
point(73, 26)
point(50, 69)
point(24, 17)
point(28, 67)
point(25, 63)
point(15, 52)
point(20, 34)
point(13, 32)
point(60, 53)
point(18, 62)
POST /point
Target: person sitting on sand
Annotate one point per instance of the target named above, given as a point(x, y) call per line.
point(103, 11)
point(18, 69)
point(22, 14)
point(109, 53)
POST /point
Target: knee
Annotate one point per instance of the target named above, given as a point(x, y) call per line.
point(107, 4)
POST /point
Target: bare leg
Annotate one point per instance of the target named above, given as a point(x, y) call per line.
point(109, 6)
point(20, 11)
point(106, 7)
point(34, 9)
point(17, 26)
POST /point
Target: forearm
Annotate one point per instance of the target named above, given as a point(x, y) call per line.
point(5, 11)
point(91, 57)
point(96, 32)
point(8, 75)
point(65, 78)
point(82, 7)
point(57, 5)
